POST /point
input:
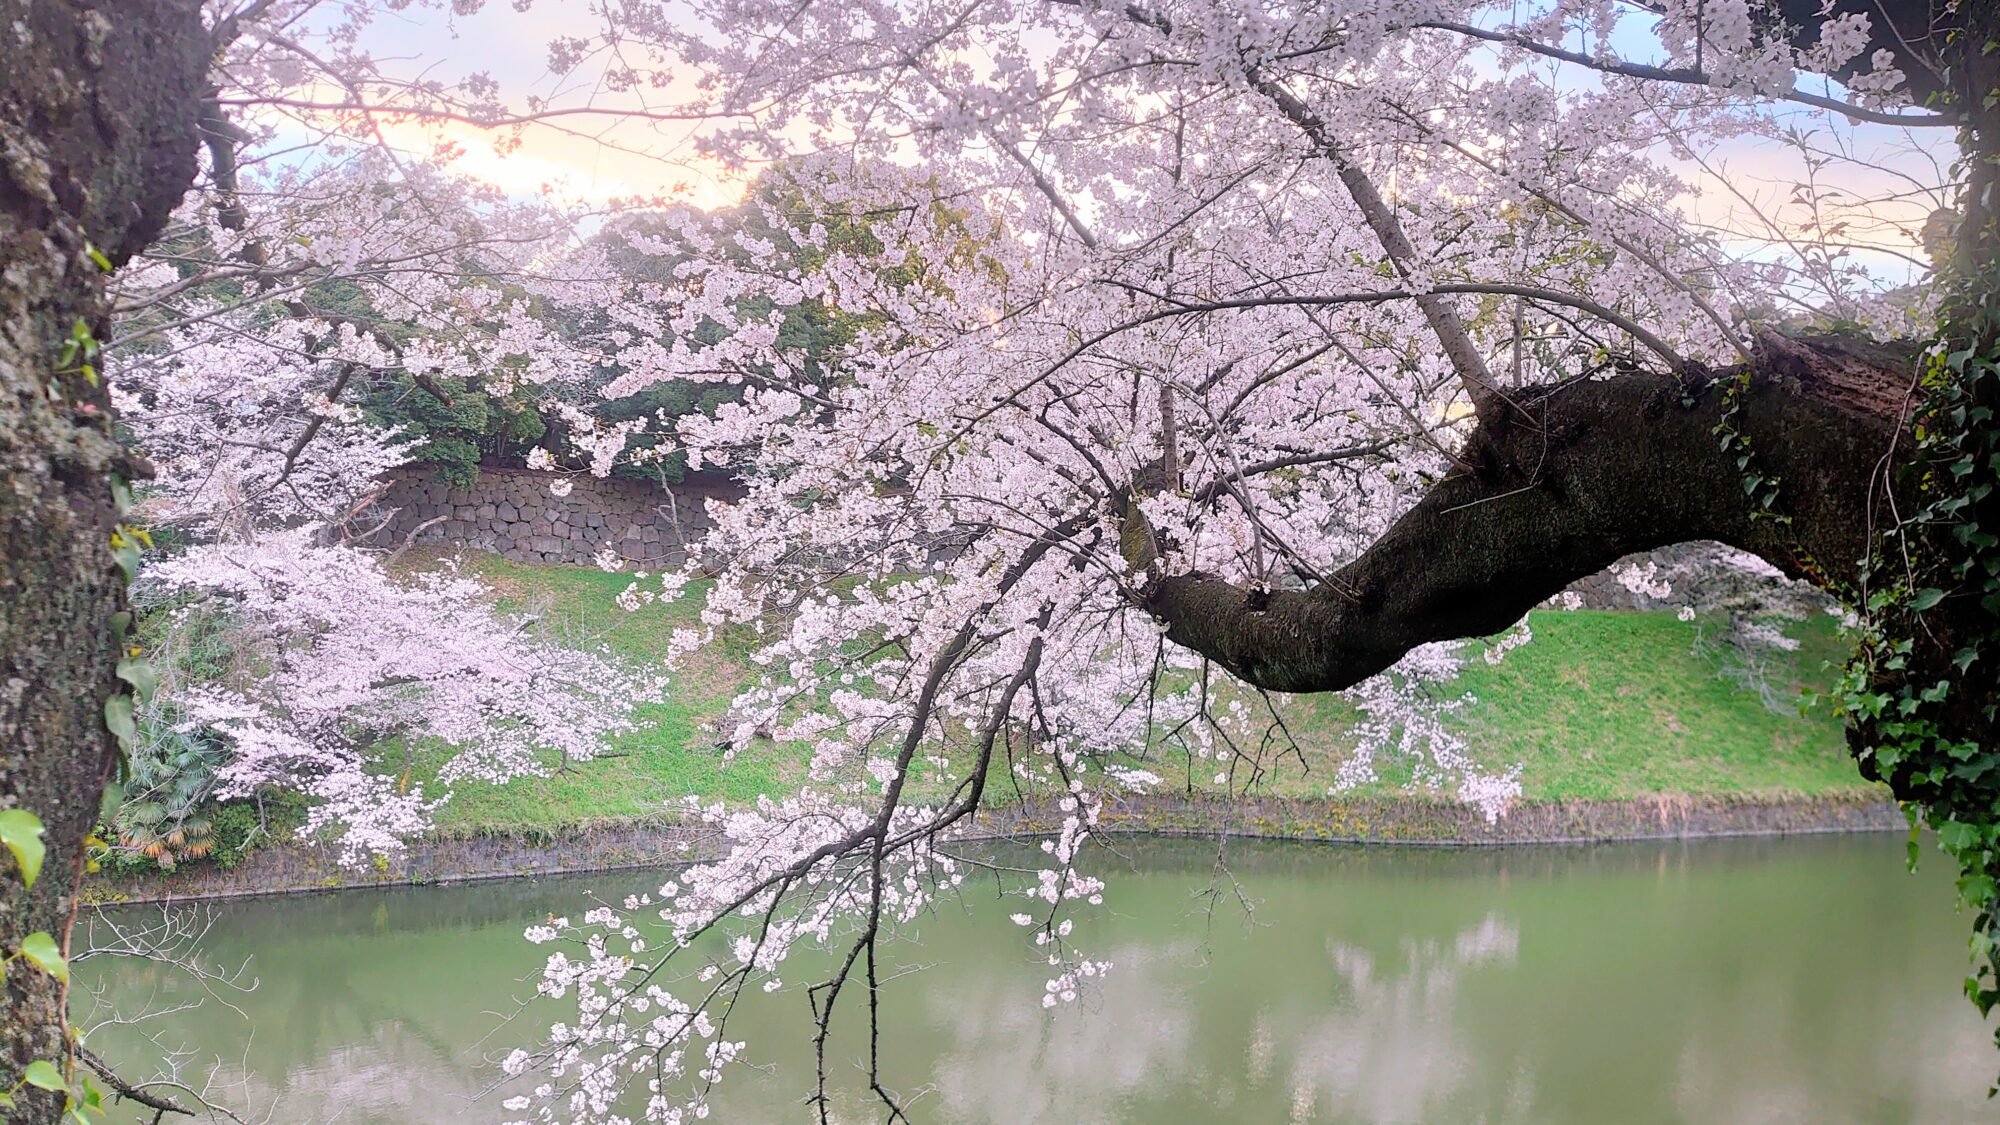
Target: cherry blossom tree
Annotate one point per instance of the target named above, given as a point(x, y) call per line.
point(1212, 349)
point(1293, 342)
point(329, 283)
point(353, 662)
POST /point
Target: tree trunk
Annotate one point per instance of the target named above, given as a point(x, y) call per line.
point(98, 104)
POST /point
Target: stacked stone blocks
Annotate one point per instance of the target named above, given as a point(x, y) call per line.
point(513, 513)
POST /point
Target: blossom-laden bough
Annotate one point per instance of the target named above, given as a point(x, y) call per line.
point(350, 660)
point(1294, 342)
point(1189, 338)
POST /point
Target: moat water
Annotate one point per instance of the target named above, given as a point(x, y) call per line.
point(1793, 980)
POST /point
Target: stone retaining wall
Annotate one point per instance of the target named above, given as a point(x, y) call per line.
point(1399, 821)
point(511, 512)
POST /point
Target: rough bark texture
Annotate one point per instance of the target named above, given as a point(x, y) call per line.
point(1575, 477)
point(97, 112)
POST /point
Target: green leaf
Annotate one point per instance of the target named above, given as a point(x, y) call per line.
point(128, 561)
point(138, 671)
point(1957, 836)
point(43, 1073)
point(118, 717)
point(21, 831)
point(1926, 598)
point(41, 949)
point(111, 801)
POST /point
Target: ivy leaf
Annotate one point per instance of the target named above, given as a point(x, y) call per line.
point(138, 671)
point(118, 718)
point(41, 949)
point(128, 561)
point(43, 1073)
point(1957, 836)
point(1926, 598)
point(21, 831)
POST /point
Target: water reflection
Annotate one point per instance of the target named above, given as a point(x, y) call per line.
point(1388, 1048)
point(1802, 980)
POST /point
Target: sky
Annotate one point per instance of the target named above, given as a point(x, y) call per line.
point(596, 160)
point(584, 159)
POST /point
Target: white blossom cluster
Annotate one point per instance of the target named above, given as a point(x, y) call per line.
point(348, 656)
point(240, 364)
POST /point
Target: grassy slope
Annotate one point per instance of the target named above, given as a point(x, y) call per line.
point(668, 758)
point(1601, 705)
point(1615, 704)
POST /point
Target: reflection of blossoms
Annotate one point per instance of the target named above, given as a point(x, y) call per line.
point(1391, 1050)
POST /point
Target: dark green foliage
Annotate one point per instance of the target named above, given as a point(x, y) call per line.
point(1921, 693)
point(241, 827)
point(475, 425)
point(159, 819)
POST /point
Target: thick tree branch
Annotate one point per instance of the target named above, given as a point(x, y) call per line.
point(1582, 474)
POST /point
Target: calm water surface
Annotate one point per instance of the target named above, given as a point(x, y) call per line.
point(1807, 980)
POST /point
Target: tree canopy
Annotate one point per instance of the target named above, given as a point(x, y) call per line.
point(1092, 370)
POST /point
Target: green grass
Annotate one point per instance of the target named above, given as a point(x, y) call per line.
point(1605, 705)
point(1600, 705)
point(669, 757)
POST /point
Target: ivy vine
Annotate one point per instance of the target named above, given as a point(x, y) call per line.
point(21, 836)
point(1920, 693)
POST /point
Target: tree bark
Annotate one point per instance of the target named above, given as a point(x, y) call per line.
point(98, 104)
point(1573, 478)
point(1579, 475)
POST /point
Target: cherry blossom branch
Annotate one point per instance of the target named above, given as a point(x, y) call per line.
point(1624, 323)
point(1480, 386)
point(1688, 76)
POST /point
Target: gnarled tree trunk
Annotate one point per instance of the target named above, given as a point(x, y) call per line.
point(98, 104)
point(1579, 475)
